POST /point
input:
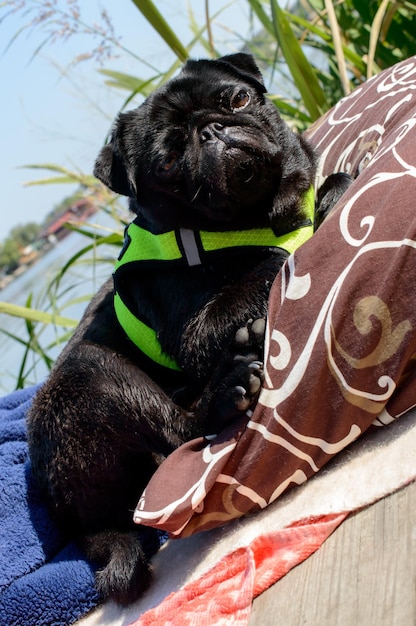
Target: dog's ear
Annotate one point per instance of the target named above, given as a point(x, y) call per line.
point(110, 169)
point(245, 64)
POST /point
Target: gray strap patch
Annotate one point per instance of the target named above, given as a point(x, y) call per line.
point(190, 246)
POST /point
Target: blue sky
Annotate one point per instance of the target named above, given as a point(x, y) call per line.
point(52, 112)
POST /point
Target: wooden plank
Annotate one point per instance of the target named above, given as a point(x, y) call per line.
point(365, 573)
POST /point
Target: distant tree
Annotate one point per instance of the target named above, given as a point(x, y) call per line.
point(24, 234)
point(9, 256)
point(11, 249)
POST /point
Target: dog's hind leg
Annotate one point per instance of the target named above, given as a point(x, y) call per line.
point(123, 561)
point(97, 431)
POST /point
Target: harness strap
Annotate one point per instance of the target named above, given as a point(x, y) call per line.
point(144, 337)
point(191, 248)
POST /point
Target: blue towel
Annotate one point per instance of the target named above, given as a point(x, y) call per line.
point(43, 580)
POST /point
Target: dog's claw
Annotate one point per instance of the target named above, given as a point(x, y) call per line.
point(255, 384)
point(239, 395)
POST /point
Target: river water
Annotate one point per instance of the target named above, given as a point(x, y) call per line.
point(75, 290)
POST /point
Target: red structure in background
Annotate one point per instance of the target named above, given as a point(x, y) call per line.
point(78, 212)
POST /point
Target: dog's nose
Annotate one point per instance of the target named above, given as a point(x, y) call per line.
point(212, 132)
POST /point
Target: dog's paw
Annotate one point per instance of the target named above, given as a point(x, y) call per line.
point(240, 389)
point(240, 386)
point(236, 383)
point(122, 562)
point(248, 342)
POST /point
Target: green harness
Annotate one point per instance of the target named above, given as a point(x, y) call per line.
point(190, 248)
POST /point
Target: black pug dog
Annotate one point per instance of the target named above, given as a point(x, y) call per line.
point(169, 351)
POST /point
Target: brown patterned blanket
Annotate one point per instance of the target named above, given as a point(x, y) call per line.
point(341, 340)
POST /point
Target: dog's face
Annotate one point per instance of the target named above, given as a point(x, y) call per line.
point(207, 150)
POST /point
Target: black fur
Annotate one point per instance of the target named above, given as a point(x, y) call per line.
point(329, 193)
point(206, 151)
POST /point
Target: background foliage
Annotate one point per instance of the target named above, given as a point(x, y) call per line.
point(313, 52)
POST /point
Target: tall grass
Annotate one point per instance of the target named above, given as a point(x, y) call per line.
point(47, 309)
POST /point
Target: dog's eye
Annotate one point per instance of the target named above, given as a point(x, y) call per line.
point(169, 164)
point(240, 100)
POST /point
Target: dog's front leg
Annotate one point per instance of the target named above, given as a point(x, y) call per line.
point(236, 382)
point(223, 345)
point(208, 334)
